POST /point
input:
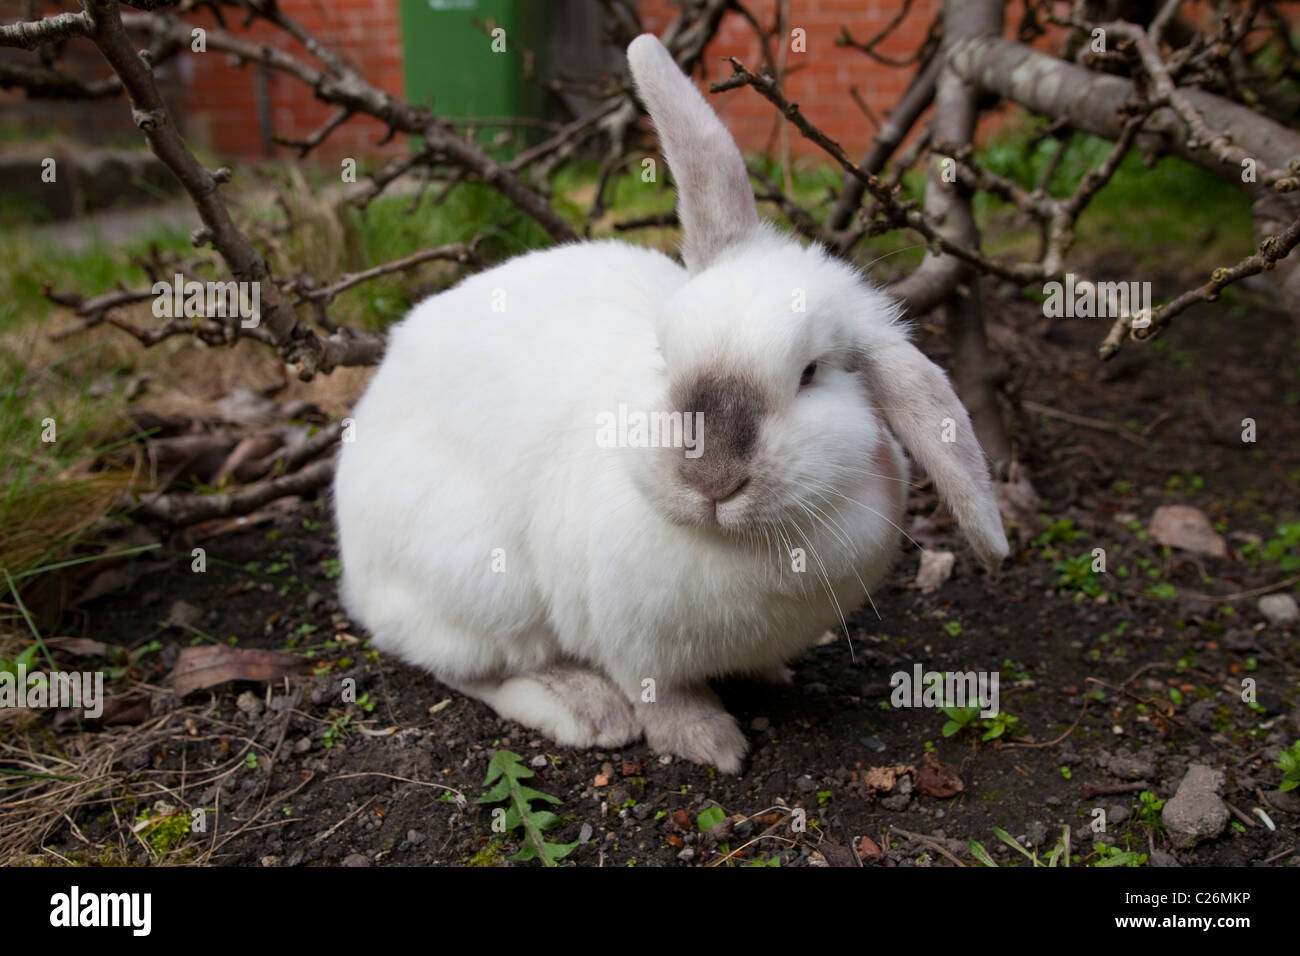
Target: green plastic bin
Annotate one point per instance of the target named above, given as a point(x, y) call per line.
point(450, 66)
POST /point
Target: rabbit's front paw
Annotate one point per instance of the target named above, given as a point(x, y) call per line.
point(694, 725)
point(574, 706)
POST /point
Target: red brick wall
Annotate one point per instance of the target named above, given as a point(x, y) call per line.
point(219, 101)
point(103, 122)
point(223, 113)
point(819, 79)
point(223, 109)
point(222, 99)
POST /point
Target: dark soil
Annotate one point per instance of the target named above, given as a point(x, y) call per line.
point(1161, 668)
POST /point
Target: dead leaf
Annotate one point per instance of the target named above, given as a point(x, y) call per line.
point(937, 779)
point(440, 706)
point(834, 854)
point(183, 614)
point(105, 582)
point(882, 779)
point(118, 578)
point(1185, 527)
point(208, 666)
point(936, 567)
point(78, 646)
point(867, 849)
point(133, 707)
point(1017, 498)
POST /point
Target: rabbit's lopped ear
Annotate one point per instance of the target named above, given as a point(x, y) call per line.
point(927, 417)
point(714, 200)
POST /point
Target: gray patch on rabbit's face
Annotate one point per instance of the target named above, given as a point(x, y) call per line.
point(733, 407)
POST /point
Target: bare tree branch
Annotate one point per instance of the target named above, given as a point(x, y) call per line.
point(950, 278)
point(1096, 103)
point(29, 34)
point(1270, 252)
point(915, 101)
point(42, 82)
point(185, 509)
point(342, 86)
point(461, 252)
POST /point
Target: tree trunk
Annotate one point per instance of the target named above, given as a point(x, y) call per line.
point(946, 279)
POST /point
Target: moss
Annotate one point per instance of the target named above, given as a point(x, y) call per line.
point(1222, 718)
point(492, 854)
point(164, 833)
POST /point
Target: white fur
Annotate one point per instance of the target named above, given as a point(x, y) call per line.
point(476, 441)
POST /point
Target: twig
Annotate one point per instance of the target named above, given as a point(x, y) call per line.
point(1084, 420)
point(305, 146)
point(1240, 816)
point(330, 832)
point(1052, 743)
point(1271, 250)
point(1105, 790)
point(461, 252)
point(390, 776)
point(929, 841)
point(1243, 595)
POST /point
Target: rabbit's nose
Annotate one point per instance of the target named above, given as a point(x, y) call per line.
point(714, 484)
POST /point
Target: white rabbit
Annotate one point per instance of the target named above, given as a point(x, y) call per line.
point(589, 591)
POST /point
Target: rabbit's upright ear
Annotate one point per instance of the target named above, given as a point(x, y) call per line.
point(927, 417)
point(714, 201)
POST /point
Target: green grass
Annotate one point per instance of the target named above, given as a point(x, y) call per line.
point(29, 262)
point(51, 493)
point(1138, 218)
point(1143, 212)
point(388, 229)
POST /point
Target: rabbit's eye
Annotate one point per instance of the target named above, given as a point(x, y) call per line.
point(808, 373)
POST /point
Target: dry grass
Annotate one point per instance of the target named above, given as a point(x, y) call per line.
point(55, 783)
point(55, 493)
